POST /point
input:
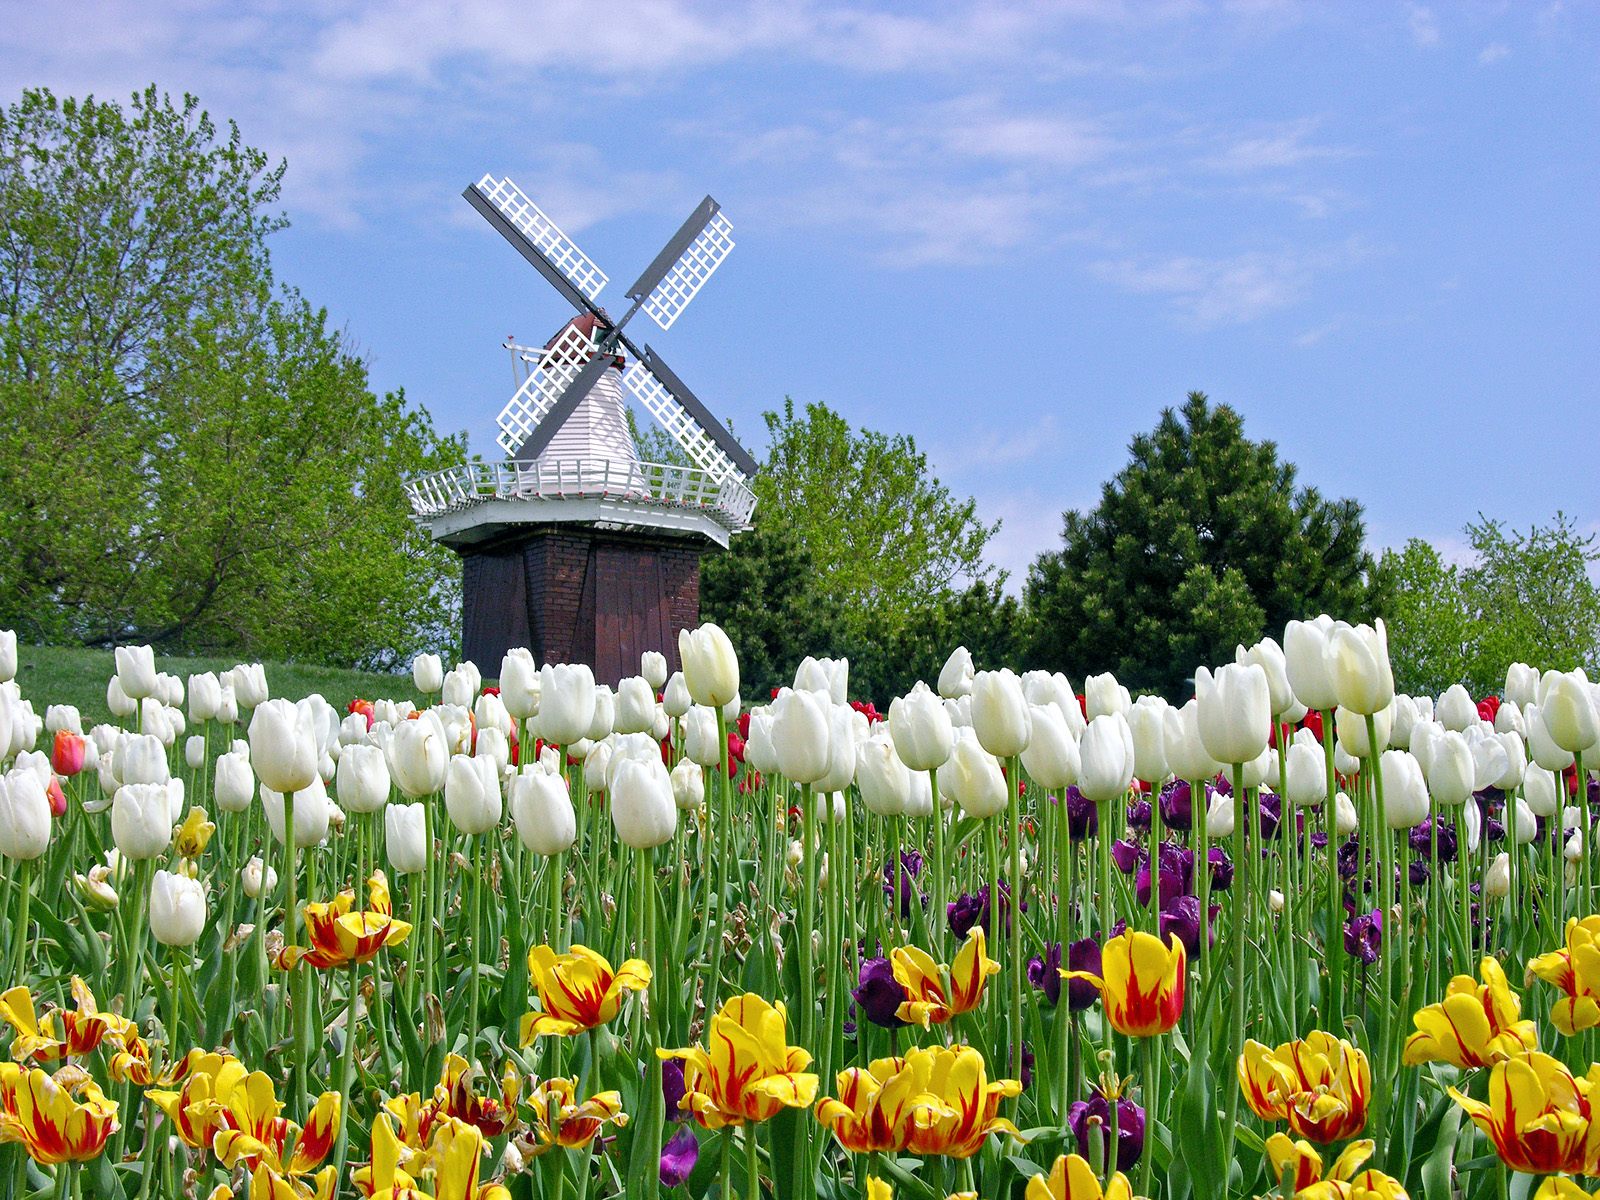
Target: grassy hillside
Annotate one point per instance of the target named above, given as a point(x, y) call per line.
point(70, 675)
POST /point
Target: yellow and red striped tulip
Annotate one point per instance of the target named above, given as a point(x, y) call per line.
point(1141, 982)
point(1072, 1178)
point(561, 1119)
point(1298, 1162)
point(876, 1104)
point(254, 1133)
point(340, 937)
point(458, 1158)
point(751, 1072)
point(44, 1115)
point(383, 1178)
point(1475, 1025)
point(1538, 1115)
point(966, 1108)
point(83, 1029)
point(195, 1109)
point(578, 990)
point(1575, 969)
point(929, 1000)
point(1320, 1084)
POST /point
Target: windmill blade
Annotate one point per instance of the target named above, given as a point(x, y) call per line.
point(553, 369)
point(681, 414)
point(684, 264)
point(576, 389)
point(539, 240)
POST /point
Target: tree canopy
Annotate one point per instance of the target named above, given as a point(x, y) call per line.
point(1522, 597)
point(196, 458)
point(1202, 541)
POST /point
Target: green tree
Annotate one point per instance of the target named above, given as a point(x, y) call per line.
point(1522, 597)
point(193, 457)
point(1202, 541)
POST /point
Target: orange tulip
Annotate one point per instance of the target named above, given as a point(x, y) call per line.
point(1141, 983)
point(1320, 1085)
point(751, 1072)
point(578, 990)
point(340, 937)
point(42, 1114)
point(928, 999)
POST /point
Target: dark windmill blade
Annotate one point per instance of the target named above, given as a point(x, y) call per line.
point(723, 440)
point(539, 240)
point(569, 399)
point(690, 258)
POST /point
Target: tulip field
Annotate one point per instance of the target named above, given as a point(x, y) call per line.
point(1300, 936)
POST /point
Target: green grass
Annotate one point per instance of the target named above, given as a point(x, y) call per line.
point(72, 675)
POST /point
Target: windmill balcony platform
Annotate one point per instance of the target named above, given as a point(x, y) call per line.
point(477, 501)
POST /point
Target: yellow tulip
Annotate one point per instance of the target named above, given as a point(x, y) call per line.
point(876, 1104)
point(1575, 969)
point(1538, 1115)
point(194, 835)
point(340, 937)
point(1559, 1187)
point(578, 990)
point(1302, 1165)
point(43, 1115)
point(878, 1189)
point(458, 1153)
point(967, 1105)
point(1320, 1084)
point(383, 1178)
point(195, 1110)
point(751, 1072)
point(928, 999)
point(1475, 1025)
point(1072, 1178)
point(1141, 983)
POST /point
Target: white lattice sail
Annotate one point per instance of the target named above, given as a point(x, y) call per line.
point(557, 367)
point(675, 419)
point(678, 286)
point(544, 233)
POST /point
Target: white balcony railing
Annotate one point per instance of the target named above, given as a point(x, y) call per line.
point(726, 500)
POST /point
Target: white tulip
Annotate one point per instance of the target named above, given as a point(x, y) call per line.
point(1524, 826)
point(311, 813)
point(362, 781)
point(1186, 753)
point(676, 699)
point(846, 729)
point(1405, 795)
point(1052, 754)
point(234, 782)
point(1450, 771)
point(1345, 821)
point(1234, 717)
point(1542, 748)
point(418, 756)
point(653, 666)
point(542, 809)
point(1516, 763)
point(283, 746)
point(921, 728)
point(973, 779)
point(884, 780)
point(1455, 709)
point(141, 821)
point(519, 683)
point(759, 749)
point(1000, 713)
point(1522, 684)
point(830, 676)
point(1568, 710)
point(1403, 720)
point(1357, 657)
point(1508, 719)
point(205, 697)
point(955, 677)
point(8, 655)
point(1305, 772)
point(258, 878)
point(472, 794)
point(1103, 695)
point(1497, 881)
point(24, 816)
point(801, 730)
point(1539, 790)
point(1147, 720)
point(427, 673)
point(1221, 816)
point(61, 716)
point(710, 666)
point(194, 752)
point(141, 758)
point(405, 838)
point(636, 706)
point(643, 810)
point(1305, 646)
point(1268, 655)
point(249, 685)
point(1351, 729)
point(688, 785)
point(700, 740)
point(136, 671)
point(177, 909)
point(1105, 756)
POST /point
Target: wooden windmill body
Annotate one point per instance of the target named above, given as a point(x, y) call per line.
point(571, 545)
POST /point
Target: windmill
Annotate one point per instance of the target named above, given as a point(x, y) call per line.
point(571, 545)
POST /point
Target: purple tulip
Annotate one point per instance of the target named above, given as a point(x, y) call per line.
point(1221, 869)
point(1090, 1122)
point(673, 1089)
point(911, 861)
point(968, 910)
point(1182, 918)
point(1417, 873)
point(1139, 815)
point(879, 995)
point(1422, 837)
point(1044, 973)
point(1177, 807)
point(1363, 936)
point(1269, 810)
point(1082, 955)
point(1083, 818)
point(679, 1156)
point(1126, 855)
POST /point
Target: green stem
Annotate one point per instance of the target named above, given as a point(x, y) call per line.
point(1238, 895)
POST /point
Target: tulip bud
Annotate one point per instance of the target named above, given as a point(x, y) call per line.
point(710, 666)
point(1305, 662)
point(405, 837)
point(427, 673)
point(258, 878)
point(956, 676)
point(700, 741)
point(141, 820)
point(233, 783)
point(1186, 753)
point(653, 666)
point(194, 752)
point(1105, 756)
point(177, 909)
point(801, 725)
point(1234, 712)
point(24, 816)
point(999, 713)
point(642, 807)
point(1357, 658)
point(1497, 882)
point(1275, 900)
point(566, 702)
point(688, 785)
point(283, 747)
point(472, 794)
point(542, 810)
point(1568, 710)
point(921, 728)
point(635, 706)
point(676, 699)
point(1052, 754)
point(973, 779)
point(884, 781)
point(1405, 795)
point(311, 813)
point(1345, 821)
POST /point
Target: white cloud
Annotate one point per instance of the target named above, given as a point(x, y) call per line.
point(1493, 53)
point(1424, 26)
point(1285, 144)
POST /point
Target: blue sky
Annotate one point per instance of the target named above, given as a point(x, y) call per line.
point(1012, 230)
